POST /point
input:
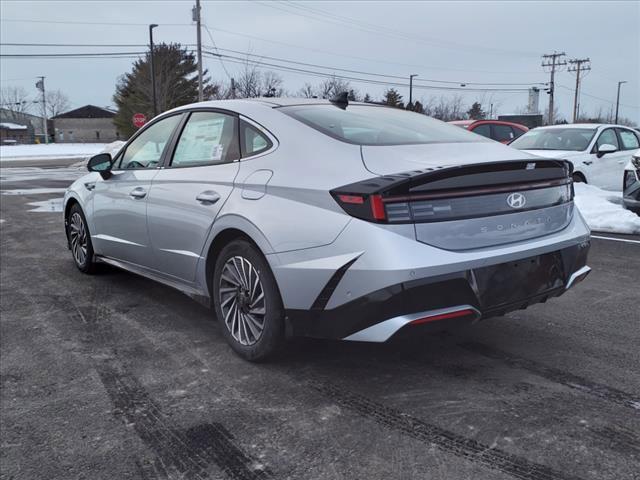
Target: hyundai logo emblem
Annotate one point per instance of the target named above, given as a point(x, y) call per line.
point(516, 200)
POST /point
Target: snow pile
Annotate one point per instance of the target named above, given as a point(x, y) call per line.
point(50, 151)
point(603, 210)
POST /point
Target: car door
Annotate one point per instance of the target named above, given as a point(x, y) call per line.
point(606, 171)
point(629, 143)
point(120, 201)
point(188, 193)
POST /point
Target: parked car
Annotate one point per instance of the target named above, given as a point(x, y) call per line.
point(328, 219)
point(498, 130)
point(631, 184)
point(598, 152)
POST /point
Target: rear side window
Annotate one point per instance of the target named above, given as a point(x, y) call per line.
point(208, 138)
point(502, 133)
point(483, 129)
point(375, 125)
point(252, 140)
point(629, 139)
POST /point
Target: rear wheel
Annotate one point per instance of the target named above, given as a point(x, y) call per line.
point(247, 301)
point(80, 240)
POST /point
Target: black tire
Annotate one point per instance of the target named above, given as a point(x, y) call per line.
point(578, 178)
point(82, 249)
point(239, 326)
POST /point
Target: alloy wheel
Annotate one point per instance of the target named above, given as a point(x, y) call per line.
point(242, 300)
point(78, 238)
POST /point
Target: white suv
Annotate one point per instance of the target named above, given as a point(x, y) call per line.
point(598, 152)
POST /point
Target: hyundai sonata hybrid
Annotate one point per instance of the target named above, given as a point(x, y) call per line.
point(329, 219)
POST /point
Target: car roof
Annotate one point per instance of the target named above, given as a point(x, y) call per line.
point(584, 125)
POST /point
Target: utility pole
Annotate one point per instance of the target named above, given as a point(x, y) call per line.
point(45, 129)
point(618, 99)
point(577, 66)
point(411, 88)
point(553, 61)
point(195, 12)
point(153, 70)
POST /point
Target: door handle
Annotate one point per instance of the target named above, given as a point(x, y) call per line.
point(138, 192)
point(208, 197)
point(588, 162)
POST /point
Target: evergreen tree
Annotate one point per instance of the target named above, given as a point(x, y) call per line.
point(176, 84)
point(476, 112)
point(367, 98)
point(393, 98)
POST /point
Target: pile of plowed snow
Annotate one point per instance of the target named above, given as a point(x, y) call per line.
point(603, 210)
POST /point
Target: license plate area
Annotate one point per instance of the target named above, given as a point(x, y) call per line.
point(516, 281)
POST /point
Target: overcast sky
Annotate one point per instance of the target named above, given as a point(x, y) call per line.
point(488, 42)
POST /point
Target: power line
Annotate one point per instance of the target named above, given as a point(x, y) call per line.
point(217, 49)
point(366, 59)
point(71, 55)
point(599, 98)
point(72, 22)
point(323, 16)
point(245, 61)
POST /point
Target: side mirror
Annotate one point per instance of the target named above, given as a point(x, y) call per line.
point(100, 163)
point(606, 148)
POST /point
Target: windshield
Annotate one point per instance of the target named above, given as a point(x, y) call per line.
point(375, 125)
point(576, 139)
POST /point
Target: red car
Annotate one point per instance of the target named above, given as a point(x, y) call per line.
point(497, 130)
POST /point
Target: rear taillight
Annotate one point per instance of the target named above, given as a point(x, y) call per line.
point(366, 207)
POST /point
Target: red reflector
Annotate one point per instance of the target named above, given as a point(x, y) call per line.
point(377, 207)
point(357, 199)
point(443, 316)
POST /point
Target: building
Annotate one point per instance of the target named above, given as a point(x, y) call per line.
point(34, 124)
point(14, 133)
point(88, 124)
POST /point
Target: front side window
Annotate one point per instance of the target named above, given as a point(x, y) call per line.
point(629, 139)
point(555, 138)
point(483, 129)
point(502, 133)
point(145, 151)
point(608, 137)
point(208, 138)
point(375, 125)
point(253, 141)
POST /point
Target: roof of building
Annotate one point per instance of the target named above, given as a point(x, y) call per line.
point(12, 126)
point(88, 111)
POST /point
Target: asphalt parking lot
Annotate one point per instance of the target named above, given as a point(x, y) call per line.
point(113, 376)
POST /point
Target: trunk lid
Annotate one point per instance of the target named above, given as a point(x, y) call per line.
point(463, 196)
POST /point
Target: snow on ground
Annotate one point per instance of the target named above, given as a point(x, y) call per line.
point(50, 151)
point(603, 210)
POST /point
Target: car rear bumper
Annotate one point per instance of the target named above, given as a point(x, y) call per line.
point(464, 296)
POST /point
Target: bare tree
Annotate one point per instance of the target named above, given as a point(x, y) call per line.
point(272, 84)
point(332, 86)
point(249, 81)
point(307, 91)
point(16, 100)
point(57, 103)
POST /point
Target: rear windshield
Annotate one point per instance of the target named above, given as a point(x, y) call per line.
point(559, 138)
point(375, 125)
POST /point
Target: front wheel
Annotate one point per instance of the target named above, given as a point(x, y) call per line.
point(247, 301)
point(578, 178)
point(80, 240)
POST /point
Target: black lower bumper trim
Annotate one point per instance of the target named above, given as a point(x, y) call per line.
point(494, 290)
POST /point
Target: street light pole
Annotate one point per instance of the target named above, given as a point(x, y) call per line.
point(411, 88)
point(618, 99)
point(153, 70)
